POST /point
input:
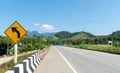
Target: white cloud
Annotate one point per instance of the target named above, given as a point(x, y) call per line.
point(37, 24)
point(47, 27)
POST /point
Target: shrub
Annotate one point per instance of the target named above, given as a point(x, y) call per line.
point(25, 48)
point(39, 46)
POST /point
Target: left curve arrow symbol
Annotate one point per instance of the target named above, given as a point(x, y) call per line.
point(14, 29)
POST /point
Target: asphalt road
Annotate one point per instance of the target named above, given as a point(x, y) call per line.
point(61, 59)
point(53, 62)
point(85, 61)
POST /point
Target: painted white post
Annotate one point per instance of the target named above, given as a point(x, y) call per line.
point(15, 53)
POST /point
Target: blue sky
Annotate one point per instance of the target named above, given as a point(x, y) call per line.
point(98, 17)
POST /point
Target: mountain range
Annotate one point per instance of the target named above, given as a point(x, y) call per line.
point(36, 33)
point(66, 34)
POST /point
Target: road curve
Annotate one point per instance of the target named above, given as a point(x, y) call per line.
point(86, 61)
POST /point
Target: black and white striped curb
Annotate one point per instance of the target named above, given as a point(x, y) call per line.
point(28, 65)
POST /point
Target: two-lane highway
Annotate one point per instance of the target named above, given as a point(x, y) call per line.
point(85, 61)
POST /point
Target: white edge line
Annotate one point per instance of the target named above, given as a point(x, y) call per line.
point(67, 61)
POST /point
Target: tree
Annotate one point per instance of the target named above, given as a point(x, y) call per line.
point(63, 34)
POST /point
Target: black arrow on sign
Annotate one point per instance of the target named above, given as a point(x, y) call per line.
point(14, 29)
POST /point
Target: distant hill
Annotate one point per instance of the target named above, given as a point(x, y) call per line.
point(36, 33)
point(47, 34)
point(116, 33)
point(32, 33)
point(66, 34)
point(83, 33)
point(63, 34)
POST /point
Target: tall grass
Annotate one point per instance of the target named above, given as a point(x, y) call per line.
point(102, 48)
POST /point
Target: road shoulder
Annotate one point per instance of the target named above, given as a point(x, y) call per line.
point(53, 63)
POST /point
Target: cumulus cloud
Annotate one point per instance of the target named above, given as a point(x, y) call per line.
point(47, 27)
point(37, 24)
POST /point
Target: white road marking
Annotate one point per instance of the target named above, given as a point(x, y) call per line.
point(66, 61)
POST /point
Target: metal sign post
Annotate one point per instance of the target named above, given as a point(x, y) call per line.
point(15, 32)
point(15, 53)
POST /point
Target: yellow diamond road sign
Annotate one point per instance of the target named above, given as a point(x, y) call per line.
point(15, 32)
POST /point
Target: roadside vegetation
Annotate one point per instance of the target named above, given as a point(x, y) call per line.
point(85, 40)
point(28, 43)
point(102, 48)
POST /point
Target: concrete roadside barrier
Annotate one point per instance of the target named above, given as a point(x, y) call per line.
point(28, 65)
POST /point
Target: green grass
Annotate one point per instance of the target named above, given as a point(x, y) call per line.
point(9, 65)
point(102, 48)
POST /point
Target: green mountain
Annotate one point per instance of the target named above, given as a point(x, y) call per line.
point(63, 34)
point(116, 33)
point(66, 34)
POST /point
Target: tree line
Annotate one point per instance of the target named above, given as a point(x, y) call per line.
point(65, 37)
point(28, 43)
